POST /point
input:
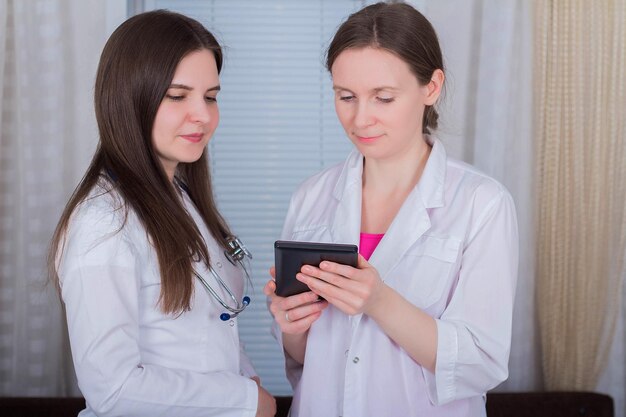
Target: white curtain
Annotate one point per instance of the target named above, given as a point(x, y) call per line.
point(48, 56)
point(486, 121)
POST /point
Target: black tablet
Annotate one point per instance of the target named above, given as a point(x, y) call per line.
point(290, 256)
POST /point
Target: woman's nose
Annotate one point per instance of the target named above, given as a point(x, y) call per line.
point(200, 112)
point(364, 116)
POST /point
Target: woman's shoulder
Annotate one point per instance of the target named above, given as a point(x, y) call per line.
point(99, 232)
point(313, 202)
point(103, 216)
point(102, 207)
point(322, 179)
point(324, 183)
point(461, 176)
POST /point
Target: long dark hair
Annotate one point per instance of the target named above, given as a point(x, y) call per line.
point(399, 29)
point(135, 71)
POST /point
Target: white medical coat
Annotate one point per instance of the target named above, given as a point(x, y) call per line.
point(130, 358)
point(452, 250)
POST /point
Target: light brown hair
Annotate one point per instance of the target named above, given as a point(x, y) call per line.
point(400, 29)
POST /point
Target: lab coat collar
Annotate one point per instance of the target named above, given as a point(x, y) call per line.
point(431, 184)
point(346, 225)
point(412, 220)
point(351, 175)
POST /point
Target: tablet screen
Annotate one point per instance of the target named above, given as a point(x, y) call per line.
point(290, 256)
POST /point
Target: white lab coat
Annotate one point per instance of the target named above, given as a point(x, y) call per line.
point(452, 250)
point(130, 358)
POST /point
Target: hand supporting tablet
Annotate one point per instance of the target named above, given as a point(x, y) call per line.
point(290, 256)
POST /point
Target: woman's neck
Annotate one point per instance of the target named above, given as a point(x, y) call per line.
point(397, 174)
point(386, 185)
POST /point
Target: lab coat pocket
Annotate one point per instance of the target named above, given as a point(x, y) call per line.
point(429, 268)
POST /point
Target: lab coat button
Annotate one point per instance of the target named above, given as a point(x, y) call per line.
point(346, 352)
point(231, 323)
point(356, 359)
point(218, 264)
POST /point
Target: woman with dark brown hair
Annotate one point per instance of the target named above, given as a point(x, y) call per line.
point(147, 268)
point(422, 325)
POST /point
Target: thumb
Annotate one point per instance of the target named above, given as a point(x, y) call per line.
point(362, 262)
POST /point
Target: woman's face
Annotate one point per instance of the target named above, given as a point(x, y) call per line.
point(188, 114)
point(380, 102)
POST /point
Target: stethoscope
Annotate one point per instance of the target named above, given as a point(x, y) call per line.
point(236, 254)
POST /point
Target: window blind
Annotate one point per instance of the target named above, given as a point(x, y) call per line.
point(278, 126)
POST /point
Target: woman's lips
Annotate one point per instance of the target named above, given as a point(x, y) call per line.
point(368, 139)
point(193, 137)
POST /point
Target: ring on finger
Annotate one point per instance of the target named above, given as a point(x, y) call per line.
point(287, 316)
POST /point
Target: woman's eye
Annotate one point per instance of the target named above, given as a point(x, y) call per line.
point(346, 98)
point(174, 97)
point(211, 99)
point(385, 99)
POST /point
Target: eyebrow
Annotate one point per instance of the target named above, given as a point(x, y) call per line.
point(186, 87)
point(374, 90)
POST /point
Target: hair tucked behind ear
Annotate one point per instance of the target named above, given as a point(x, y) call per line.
point(399, 29)
point(430, 120)
point(135, 70)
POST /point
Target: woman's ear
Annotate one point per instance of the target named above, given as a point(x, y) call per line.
point(433, 88)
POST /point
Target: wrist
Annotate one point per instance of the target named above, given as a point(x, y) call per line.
point(294, 345)
point(295, 338)
point(381, 301)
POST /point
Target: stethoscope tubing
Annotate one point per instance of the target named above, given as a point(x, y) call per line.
point(239, 306)
point(237, 253)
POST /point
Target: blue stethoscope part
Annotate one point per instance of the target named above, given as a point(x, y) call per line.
point(236, 254)
point(227, 316)
point(231, 311)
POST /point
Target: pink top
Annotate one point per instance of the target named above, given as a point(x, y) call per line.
point(368, 243)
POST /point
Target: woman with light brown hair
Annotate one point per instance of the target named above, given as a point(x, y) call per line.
point(147, 268)
point(422, 325)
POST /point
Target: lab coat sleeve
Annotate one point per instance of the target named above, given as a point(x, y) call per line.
point(100, 291)
point(474, 332)
point(247, 369)
point(293, 369)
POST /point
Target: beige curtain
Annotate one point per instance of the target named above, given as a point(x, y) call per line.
point(580, 84)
